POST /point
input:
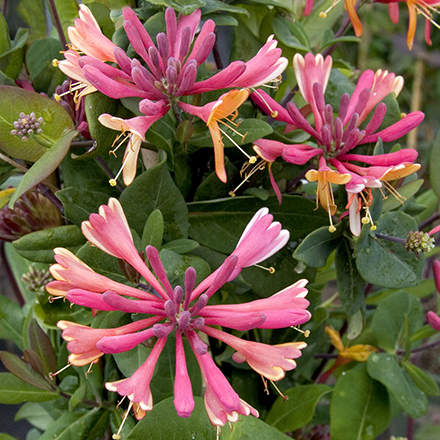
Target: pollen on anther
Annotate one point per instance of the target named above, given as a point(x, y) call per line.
point(112, 182)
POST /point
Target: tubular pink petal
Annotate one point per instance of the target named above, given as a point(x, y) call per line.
point(86, 298)
point(121, 343)
point(231, 319)
point(134, 306)
point(266, 103)
point(385, 160)
point(183, 396)
point(433, 320)
point(300, 154)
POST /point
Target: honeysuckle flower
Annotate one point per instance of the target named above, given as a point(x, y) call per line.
point(415, 7)
point(337, 136)
point(214, 113)
point(134, 129)
point(86, 37)
point(184, 311)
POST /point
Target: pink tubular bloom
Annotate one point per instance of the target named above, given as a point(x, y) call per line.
point(338, 134)
point(433, 320)
point(184, 311)
point(86, 36)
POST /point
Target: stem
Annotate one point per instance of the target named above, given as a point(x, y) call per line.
point(12, 162)
point(389, 238)
point(51, 196)
point(57, 22)
point(325, 355)
point(10, 276)
point(409, 428)
point(422, 348)
point(4, 7)
point(416, 99)
point(216, 54)
point(429, 220)
point(108, 171)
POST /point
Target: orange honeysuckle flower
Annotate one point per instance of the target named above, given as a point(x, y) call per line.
point(214, 113)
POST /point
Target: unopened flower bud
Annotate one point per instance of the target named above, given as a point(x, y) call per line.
point(27, 125)
point(36, 279)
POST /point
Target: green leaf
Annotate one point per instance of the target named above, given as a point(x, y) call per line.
point(290, 34)
point(163, 423)
point(182, 246)
point(42, 345)
point(218, 224)
point(44, 166)
point(388, 322)
point(14, 56)
point(385, 368)
point(14, 390)
point(162, 194)
point(351, 286)
point(176, 265)
point(346, 39)
point(6, 437)
point(298, 410)
point(41, 415)
point(78, 204)
point(250, 428)
point(153, 230)
point(71, 426)
point(385, 263)
point(38, 246)
point(318, 245)
point(29, 13)
point(11, 321)
point(183, 6)
point(5, 41)
point(23, 370)
point(129, 361)
point(359, 407)
point(96, 104)
point(254, 129)
point(14, 100)
point(423, 380)
point(216, 6)
point(406, 191)
point(102, 16)
point(39, 57)
point(67, 12)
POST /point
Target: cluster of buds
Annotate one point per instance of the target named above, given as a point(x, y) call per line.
point(27, 125)
point(32, 212)
point(36, 279)
point(419, 242)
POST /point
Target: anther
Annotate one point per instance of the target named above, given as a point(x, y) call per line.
point(52, 375)
point(271, 269)
point(305, 333)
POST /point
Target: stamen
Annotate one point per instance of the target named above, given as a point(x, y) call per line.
point(119, 403)
point(51, 299)
point(394, 192)
point(117, 436)
point(323, 14)
point(273, 113)
point(260, 166)
point(218, 432)
point(271, 269)
point(251, 158)
point(89, 370)
point(266, 390)
point(52, 375)
point(305, 333)
point(113, 182)
point(428, 16)
point(279, 392)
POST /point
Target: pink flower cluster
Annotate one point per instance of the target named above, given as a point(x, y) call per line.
point(182, 310)
point(337, 135)
point(168, 71)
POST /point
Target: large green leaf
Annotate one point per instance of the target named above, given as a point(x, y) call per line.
point(385, 368)
point(12, 59)
point(78, 204)
point(250, 428)
point(14, 390)
point(163, 423)
point(183, 6)
point(155, 189)
point(42, 345)
point(29, 13)
point(351, 286)
point(384, 262)
point(298, 410)
point(39, 414)
point(44, 166)
point(38, 246)
point(13, 101)
point(391, 317)
point(359, 407)
point(318, 245)
point(71, 426)
point(423, 380)
point(218, 224)
point(39, 61)
point(11, 321)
